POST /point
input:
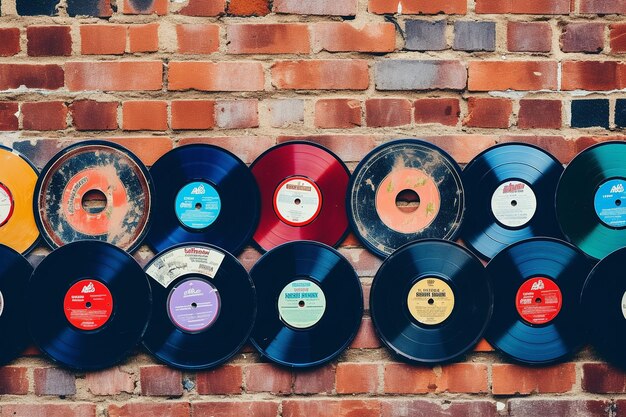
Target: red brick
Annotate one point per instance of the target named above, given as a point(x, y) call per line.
point(48, 410)
point(583, 37)
point(198, 38)
point(149, 410)
point(339, 74)
point(483, 346)
point(539, 114)
point(331, 408)
point(103, 39)
point(142, 7)
point(350, 148)
point(363, 262)
point(618, 38)
point(54, 381)
point(160, 381)
point(529, 36)
point(345, 37)
point(44, 115)
point(148, 149)
point(316, 7)
point(193, 114)
point(94, 115)
point(287, 38)
point(523, 7)
point(444, 111)
point(593, 75)
point(561, 408)
point(357, 378)
point(232, 409)
point(13, 380)
point(263, 377)
point(337, 113)
point(111, 381)
point(143, 38)
point(49, 41)
point(456, 408)
point(513, 379)
point(603, 6)
point(114, 75)
point(247, 148)
point(563, 149)
point(488, 112)
point(418, 7)
point(237, 114)
point(454, 378)
point(9, 41)
point(204, 8)
point(216, 76)
point(8, 115)
point(248, 7)
point(366, 337)
point(48, 77)
point(462, 148)
point(512, 75)
point(387, 112)
point(602, 378)
point(314, 381)
point(144, 115)
point(227, 379)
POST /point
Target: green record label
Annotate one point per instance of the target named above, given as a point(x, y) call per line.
point(301, 304)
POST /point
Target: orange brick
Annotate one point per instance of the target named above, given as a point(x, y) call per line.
point(331, 408)
point(198, 38)
point(204, 8)
point(454, 378)
point(248, 7)
point(144, 115)
point(216, 76)
point(103, 39)
point(338, 74)
point(337, 113)
point(444, 111)
point(144, 38)
point(489, 112)
point(512, 75)
point(357, 378)
point(289, 38)
point(344, 37)
point(512, 379)
point(418, 6)
point(114, 76)
point(193, 114)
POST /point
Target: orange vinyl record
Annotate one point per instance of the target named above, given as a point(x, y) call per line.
point(18, 177)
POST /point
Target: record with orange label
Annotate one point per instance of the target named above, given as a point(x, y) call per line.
point(403, 191)
point(18, 177)
point(303, 187)
point(94, 190)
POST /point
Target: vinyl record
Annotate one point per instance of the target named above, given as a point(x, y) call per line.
point(310, 304)
point(14, 274)
point(404, 191)
point(537, 313)
point(93, 303)
point(604, 307)
point(509, 197)
point(203, 193)
point(94, 190)
point(18, 177)
point(303, 195)
point(431, 301)
point(591, 197)
point(204, 306)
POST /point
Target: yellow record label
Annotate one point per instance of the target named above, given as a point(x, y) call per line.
point(430, 301)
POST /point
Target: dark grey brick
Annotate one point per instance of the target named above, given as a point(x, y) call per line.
point(420, 75)
point(474, 36)
point(424, 35)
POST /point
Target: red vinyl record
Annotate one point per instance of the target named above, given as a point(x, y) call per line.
point(303, 190)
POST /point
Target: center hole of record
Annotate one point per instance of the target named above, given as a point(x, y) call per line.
point(198, 206)
point(88, 304)
point(194, 305)
point(301, 303)
point(94, 201)
point(407, 201)
point(538, 300)
point(618, 203)
point(297, 201)
point(514, 203)
point(431, 301)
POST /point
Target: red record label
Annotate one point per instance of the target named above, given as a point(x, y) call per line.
point(539, 300)
point(88, 305)
point(297, 201)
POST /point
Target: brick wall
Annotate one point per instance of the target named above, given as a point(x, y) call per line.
point(349, 74)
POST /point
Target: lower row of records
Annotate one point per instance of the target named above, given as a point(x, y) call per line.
point(88, 304)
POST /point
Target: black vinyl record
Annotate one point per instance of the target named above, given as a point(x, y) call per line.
point(203, 193)
point(93, 305)
point(310, 304)
point(204, 306)
point(537, 313)
point(431, 301)
point(403, 191)
point(510, 197)
point(604, 307)
point(591, 199)
point(14, 274)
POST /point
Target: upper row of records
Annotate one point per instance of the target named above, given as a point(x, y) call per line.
point(402, 191)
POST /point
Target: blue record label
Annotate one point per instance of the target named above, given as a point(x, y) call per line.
point(610, 203)
point(198, 205)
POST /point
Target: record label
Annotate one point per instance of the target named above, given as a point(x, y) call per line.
point(301, 304)
point(198, 205)
point(194, 305)
point(430, 301)
point(88, 304)
point(539, 300)
point(6, 204)
point(183, 261)
point(623, 305)
point(419, 188)
point(297, 201)
point(608, 203)
point(513, 203)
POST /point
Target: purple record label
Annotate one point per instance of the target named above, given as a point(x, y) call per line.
point(194, 305)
